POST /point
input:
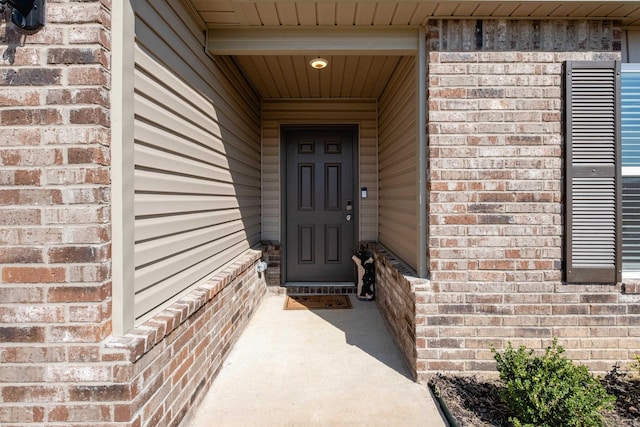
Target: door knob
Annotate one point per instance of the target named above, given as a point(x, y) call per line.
point(348, 217)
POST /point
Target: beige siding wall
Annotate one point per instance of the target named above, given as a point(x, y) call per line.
point(276, 113)
point(398, 164)
point(197, 157)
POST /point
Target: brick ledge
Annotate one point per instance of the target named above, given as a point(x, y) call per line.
point(142, 338)
point(417, 284)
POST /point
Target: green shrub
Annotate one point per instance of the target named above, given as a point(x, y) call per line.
point(636, 365)
point(549, 390)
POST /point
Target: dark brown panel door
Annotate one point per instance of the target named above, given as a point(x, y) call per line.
point(319, 204)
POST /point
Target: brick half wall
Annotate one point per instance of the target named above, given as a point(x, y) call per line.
point(171, 360)
point(396, 289)
point(155, 375)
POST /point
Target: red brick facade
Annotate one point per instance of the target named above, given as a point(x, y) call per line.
point(496, 201)
point(495, 229)
point(59, 364)
point(55, 296)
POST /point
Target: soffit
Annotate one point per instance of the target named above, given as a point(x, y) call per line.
point(406, 13)
point(290, 76)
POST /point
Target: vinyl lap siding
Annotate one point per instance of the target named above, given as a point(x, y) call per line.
point(279, 112)
point(398, 164)
point(197, 157)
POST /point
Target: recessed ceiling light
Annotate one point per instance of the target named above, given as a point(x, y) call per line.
point(318, 63)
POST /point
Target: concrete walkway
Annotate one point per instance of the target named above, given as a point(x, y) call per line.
point(316, 368)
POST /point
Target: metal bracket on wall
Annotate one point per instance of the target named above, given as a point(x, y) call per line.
point(27, 15)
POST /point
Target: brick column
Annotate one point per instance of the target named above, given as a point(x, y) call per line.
point(54, 213)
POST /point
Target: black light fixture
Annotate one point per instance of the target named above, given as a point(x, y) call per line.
point(26, 14)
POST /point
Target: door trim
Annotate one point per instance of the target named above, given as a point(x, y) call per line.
point(355, 128)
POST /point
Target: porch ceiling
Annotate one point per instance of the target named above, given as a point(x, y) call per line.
point(282, 76)
point(278, 66)
point(403, 13)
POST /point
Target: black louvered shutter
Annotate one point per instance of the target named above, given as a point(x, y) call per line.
point(593, 183)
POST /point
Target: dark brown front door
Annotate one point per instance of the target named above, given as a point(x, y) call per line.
point(320, 211)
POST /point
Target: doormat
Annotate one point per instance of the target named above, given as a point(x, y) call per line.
point(317, 302)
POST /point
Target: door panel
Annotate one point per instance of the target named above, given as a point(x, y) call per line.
point(319, 204)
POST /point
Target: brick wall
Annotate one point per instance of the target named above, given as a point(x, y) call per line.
point(156, 374)
point(54, 209)
point(496, 200)
point(59, 364)
point(163, 368)
point(273, 260)
point(396, 290)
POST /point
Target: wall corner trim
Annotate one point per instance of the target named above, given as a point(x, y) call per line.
point(421, 65)
point(122, 167)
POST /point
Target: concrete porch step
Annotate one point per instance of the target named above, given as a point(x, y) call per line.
point(296, 288)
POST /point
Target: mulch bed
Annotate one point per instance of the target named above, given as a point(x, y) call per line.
point(626, 389)
point(472, 401)
point(475, 401)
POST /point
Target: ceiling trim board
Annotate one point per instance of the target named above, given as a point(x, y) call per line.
point(317, 41)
